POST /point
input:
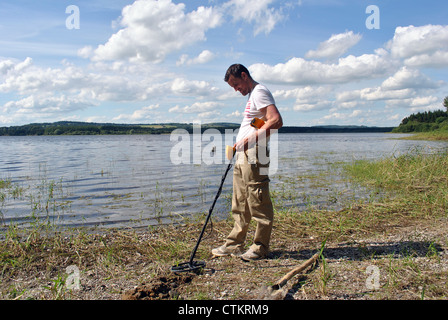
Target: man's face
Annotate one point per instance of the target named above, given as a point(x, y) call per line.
point(243, 85)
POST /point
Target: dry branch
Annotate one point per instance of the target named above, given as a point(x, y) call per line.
point(295, 271)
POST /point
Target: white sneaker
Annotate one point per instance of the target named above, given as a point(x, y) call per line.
point(250, 255)
point(223, 251)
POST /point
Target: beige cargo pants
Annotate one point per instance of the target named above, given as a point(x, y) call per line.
point(251, 199)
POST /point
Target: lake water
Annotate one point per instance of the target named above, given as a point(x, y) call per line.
point(128, 181)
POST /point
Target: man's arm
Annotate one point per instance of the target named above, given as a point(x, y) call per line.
point(273, 121)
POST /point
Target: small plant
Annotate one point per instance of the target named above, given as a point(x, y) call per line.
point(57, 289)
point(325, 274)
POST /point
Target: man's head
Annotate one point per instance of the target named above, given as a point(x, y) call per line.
point(239, 78)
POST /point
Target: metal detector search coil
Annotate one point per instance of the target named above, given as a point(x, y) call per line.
point(188, 266)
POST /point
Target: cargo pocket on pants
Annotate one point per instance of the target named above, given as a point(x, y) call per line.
point(259, 196)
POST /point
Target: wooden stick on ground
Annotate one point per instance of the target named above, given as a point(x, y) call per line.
point(294, 271)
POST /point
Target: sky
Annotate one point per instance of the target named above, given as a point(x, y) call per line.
point(326, 62)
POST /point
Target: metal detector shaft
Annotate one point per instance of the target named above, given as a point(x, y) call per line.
point(193, 253)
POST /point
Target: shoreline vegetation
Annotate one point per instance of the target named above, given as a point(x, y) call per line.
point(429, 136)
point(390, 245)
point(429, 125)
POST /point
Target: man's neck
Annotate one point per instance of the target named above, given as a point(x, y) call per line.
point(254, 84)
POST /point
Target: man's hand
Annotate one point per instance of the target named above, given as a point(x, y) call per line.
point(243, 144)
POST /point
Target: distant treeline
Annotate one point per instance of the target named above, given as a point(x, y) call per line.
point(424, 122)
point(334, 129)
point(87, 128)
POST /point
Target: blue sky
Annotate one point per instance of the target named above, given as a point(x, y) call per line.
point(150, 61)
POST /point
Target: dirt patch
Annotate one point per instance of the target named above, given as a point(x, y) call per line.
point(157, 289)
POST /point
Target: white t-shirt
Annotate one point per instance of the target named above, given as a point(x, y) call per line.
point(259, 98)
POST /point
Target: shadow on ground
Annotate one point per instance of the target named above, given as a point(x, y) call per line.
point(366, 250)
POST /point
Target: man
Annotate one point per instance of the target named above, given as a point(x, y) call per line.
point(251, 198)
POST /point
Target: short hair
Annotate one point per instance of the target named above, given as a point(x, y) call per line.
point(236, 70)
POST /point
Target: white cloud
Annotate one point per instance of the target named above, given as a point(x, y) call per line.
point(85, 52)
point(116, 82)
point(374, 94)
point(208, 115)
point(403, 84)
point(64, 90)
point(308, 93)
point(343, 116)
point(334, 47)
point(303, 72)
point(351, 104)
point(412, 41)
point(438, 59)
point(23, 65)
point(6, 65)
point(198, 107)
point(407, 88)
point(411, 47)
point(39, 105)
point(258, 12)
point(181, 86)
point(145, 113)
point(235, 114)
point(320, 105)
point(414, 99)
point(204, 57)
point(408, 78)
point(153, 29)
point(307, 98)
point(424, 46)
point(394, 117)
point(418, 103)
point(25, 78)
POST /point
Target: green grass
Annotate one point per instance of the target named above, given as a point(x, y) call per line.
point(431, 136)
point(402, 189)
point(417, 181)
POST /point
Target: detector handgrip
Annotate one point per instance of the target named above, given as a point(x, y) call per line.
point(230, 152)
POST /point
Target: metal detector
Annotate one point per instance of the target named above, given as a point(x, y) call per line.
point(192, 265)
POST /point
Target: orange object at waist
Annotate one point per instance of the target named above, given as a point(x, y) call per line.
point(257, 123)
